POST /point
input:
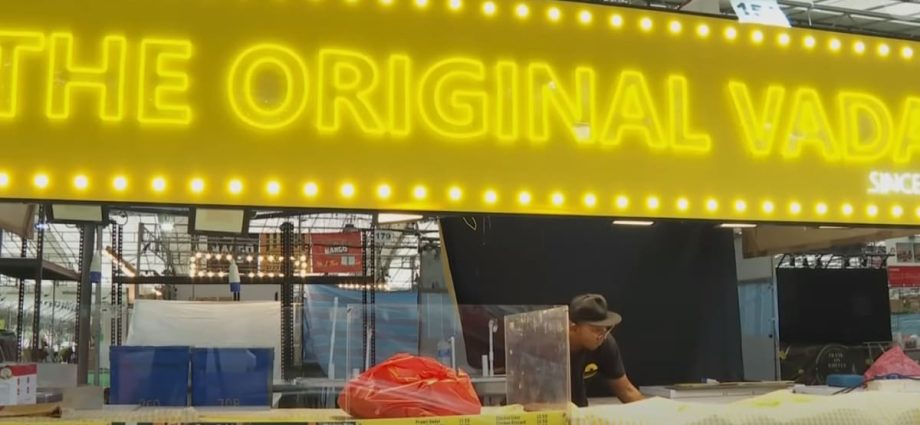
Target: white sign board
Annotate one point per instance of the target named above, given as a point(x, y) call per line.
point(764, 12)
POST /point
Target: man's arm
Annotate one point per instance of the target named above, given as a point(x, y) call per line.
point(625, 390)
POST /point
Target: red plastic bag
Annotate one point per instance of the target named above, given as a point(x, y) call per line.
point(406, 386)
point(893, 362)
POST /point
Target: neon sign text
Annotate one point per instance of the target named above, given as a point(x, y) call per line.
point(278, 87)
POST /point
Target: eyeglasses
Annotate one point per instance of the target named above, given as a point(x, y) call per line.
point(601, 332)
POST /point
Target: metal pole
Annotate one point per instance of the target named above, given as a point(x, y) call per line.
point(120, 289)
point(115, 269)
point(97, 319)
point(777, 366)
point(39, 271)
point(372, 268)
point(81, 265)
point(287, 301)
point(54, 285)
point(21, 304)
point(84, 307)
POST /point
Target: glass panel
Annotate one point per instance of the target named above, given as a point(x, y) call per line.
point(537, 353)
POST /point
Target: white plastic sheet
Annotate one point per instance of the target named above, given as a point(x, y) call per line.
point(208, 325)
point(777, 408)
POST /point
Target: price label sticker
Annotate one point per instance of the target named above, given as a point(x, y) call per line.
point(764, 12)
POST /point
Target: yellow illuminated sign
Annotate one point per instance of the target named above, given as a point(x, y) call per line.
point(455, 105)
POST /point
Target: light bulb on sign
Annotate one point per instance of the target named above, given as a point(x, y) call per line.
point(522, 11)
point(557, 199)
point(159, 184)
point(859, 47)
point(712, 205)
point(491, 197)
point(884, 50)
point(420, 192)
point(489, 8)
point(703, 30)
point(810, 42)
point(310, 189)
point(384, 191)
point(784, 39)
point(273, 188)
point(740, 206)
point(675, 27)
point(524, 198)
point(347, 190)
point(235, 187)
point(197, 185)
point(120, 183)
point(646, 24)
point(81, 182)
point(683, 204)
point(731, 33)
point(847, 209)
point(41, 181)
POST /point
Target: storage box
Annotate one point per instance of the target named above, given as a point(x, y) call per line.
point(232, 376)
point(18, 384)
point(149, 376)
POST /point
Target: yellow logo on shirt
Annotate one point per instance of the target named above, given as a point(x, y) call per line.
point(590, 370)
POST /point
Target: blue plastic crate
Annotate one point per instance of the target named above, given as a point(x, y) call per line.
point(232, 376)
point(150, 376)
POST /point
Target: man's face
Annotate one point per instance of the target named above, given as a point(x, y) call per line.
point(588, 337)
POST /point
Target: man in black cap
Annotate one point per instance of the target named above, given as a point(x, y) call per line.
point(594, 351)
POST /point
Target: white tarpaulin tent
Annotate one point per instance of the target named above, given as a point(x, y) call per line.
point(208, 325)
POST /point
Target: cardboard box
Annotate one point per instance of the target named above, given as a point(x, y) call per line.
point(18, 384)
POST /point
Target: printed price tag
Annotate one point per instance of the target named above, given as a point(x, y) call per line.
point(765, 12)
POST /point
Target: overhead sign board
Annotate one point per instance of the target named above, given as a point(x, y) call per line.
point(766, 12)
point(538, 107)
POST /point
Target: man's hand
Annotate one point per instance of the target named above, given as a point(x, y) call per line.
point(625, 390)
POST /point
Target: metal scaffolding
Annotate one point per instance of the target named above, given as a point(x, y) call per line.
point(886, 18)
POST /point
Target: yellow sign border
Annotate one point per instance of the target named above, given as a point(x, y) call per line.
point(59, 180)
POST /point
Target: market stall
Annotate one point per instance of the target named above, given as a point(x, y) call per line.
point(240, 113)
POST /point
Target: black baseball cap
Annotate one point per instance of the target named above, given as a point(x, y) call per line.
point(591, 309)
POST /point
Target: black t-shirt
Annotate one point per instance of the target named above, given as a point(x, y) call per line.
point(605, 361)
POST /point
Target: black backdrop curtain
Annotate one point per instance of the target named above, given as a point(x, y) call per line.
point(674, 284)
